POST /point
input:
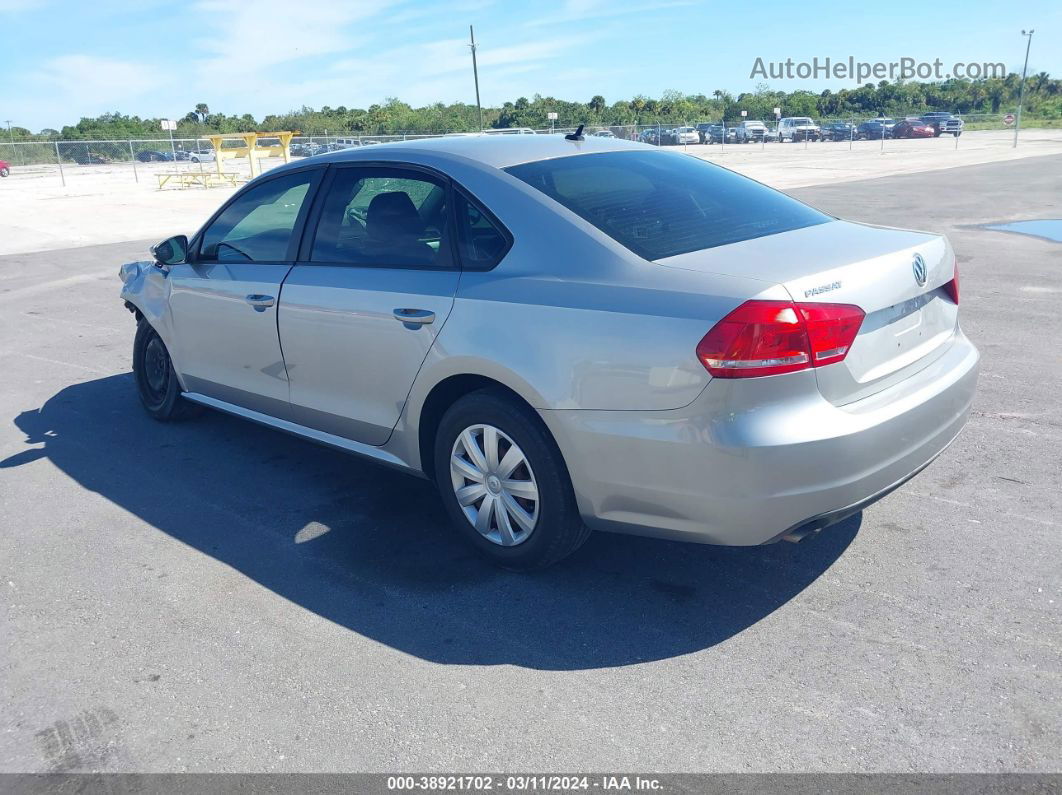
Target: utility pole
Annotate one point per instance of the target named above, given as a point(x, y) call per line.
point(1021, 97)
point(475, 74)
point(11, 137)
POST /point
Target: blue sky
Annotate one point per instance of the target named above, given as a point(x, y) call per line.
point(63, 59)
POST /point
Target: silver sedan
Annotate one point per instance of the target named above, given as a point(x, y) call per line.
point(566, 334)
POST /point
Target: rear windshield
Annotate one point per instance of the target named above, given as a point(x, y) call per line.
point(659, 204)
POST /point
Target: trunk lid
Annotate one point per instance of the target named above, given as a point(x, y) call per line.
point(907, 325)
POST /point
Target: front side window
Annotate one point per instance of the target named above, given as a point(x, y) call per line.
point(258, 225)
point(384, 217)
point(660, 205)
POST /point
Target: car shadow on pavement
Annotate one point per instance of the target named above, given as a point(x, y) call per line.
point(371, 550)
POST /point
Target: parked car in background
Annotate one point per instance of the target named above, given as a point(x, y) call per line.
point(5, 168)
point(604, 134)
point(720, 133)
point(202, 156)
point(875, 129)
point(685, 135)
point(152, 156)
point(86, 158)
point(943, 122)
point(702, 132)
point(770, 133)
point(838, 131)
point(713, 361)
point(750, 132)
point(509, 131)
point(912, 127)
point(798, 128)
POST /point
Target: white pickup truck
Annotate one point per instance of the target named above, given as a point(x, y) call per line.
point(943, 122)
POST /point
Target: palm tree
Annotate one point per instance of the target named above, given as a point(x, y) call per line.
point(1041, 81)
point(201, 110)
point(997, 91)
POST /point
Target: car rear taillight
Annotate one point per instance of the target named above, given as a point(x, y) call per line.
point(952, 287)
point(774, 337)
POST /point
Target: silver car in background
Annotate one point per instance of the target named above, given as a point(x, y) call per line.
point(566, 335)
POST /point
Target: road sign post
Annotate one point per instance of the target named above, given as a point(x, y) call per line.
point(171, 125)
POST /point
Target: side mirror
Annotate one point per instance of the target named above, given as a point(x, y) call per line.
point(171, 251)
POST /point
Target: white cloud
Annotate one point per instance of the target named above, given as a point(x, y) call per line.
point(11, 6)
point(246, 39)
point(63, 89)
point(579, 10)
point(94, 78)
point(420, 73)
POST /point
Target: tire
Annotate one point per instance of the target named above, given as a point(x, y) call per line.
point(156, 380)
point(958, 134)
point(4, 172)
point(193, 159)
point(556, 528)
point(936, 132)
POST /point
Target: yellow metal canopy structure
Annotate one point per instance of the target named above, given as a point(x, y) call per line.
point(250, 149)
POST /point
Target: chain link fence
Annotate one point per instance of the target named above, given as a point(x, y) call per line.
point(155, 161)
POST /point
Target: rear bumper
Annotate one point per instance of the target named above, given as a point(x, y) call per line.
point(752, 460)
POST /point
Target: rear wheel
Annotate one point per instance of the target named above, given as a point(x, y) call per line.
point(504, 483)
point(4, 171)
point(156, 380)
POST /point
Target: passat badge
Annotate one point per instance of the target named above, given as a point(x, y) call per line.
point(822, 288)
point(919, 268)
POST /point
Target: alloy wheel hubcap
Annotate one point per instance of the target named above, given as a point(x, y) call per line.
point(494, 485)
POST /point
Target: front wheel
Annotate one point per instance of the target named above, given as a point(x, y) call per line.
point(504, 483)
point(4, 171)
point(156, 380)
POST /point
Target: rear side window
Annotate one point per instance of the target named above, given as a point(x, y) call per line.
point(383, 217)
point(660, 205)
point(481, 240)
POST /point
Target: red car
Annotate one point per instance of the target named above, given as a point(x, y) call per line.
point(5, 168)
point(912, 128)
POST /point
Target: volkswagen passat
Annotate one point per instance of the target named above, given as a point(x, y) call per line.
point(566, 335)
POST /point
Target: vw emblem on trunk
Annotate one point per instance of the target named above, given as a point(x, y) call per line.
point(919, 268)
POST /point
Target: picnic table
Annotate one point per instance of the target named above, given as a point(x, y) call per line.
point(205, 179)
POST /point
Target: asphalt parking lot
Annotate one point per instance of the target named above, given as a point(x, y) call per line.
point(214, 596)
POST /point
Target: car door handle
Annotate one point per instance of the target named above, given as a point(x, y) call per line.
point(415, 317)
point(260, 302)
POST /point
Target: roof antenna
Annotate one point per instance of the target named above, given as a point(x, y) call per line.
point(575, 136)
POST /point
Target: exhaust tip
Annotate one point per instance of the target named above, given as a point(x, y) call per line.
point(798, 535)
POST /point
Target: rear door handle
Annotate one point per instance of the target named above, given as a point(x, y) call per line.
point(260, 302)
point(415, 317)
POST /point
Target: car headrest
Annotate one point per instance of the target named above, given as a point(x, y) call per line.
point(392, 214)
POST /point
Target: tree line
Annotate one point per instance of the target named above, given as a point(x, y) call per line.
point(1043, 100)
